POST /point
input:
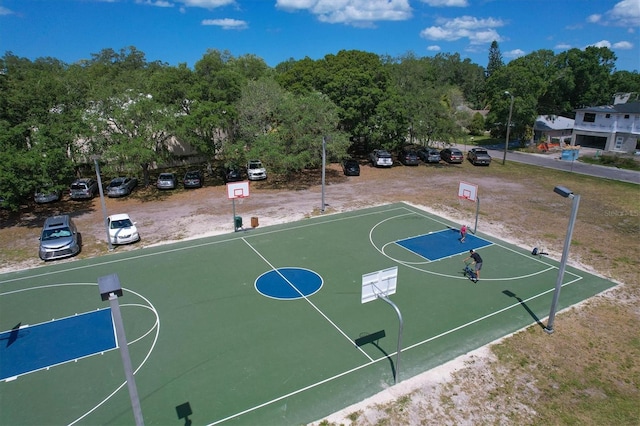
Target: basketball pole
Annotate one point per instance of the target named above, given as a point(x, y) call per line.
point(386, 299)
point(233, 203)
point(475, 227)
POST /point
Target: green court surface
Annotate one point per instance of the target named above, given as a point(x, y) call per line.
point(201, 333)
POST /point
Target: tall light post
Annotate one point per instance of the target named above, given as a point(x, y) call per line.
point(110, 289)
point(506, 142)
point(324, 162)
point(567, 193)
point(95, 159)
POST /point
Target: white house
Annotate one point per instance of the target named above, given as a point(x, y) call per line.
point(614, 128)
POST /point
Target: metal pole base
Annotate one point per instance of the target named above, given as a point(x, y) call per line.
point(548, 330)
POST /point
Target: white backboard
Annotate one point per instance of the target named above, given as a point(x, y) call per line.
point(468, 191)
point(379, 283)
point(238, 189)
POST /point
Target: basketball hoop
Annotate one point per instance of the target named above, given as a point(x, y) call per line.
point(238, 190)
point(468, 191)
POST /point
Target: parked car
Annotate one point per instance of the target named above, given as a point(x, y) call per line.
point(232, 174)
point(408, 157)
point(452, 155)
point(350, 167)
point(255, 170)
point(82, 189)
point(47, 194)
point(121, 229)
point(193, 179)
point(380, 158)
point(429, 155)
point(166, 181)
point(479, 156)
point(121, 186)
point(59, 238)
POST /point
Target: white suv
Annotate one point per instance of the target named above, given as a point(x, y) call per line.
point(255, 170)
point(381, 158)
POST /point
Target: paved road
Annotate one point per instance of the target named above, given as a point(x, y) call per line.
point(553, 161)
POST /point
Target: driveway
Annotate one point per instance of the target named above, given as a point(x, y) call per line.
point(552, 160)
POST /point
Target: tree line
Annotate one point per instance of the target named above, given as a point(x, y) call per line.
point(54, 116)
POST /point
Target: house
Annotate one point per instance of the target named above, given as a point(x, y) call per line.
point(613, 128)
point(553, 130)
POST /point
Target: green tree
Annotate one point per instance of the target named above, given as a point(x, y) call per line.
point(283, 129)
point(495, 59)
point(476, 127)
point(131, 132)
point(38, 120)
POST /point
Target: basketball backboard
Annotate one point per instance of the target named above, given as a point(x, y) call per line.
point(238, 190)
point(379, 283)
point(468, 191)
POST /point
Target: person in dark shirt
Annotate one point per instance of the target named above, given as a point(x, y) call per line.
point(477, 262)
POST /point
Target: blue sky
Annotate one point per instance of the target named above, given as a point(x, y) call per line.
point(181, 31)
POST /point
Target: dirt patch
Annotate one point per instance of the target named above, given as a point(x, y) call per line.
point(502, 384)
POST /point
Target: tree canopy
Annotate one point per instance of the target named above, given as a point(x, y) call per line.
point(134, 113)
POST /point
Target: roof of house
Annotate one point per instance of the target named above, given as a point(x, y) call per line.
point(627, 108)
point(553, 122)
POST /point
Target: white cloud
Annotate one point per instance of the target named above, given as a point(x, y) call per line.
point(207, 4)
point(5, 11)
point(157, 3)
point(562, 46)
point(601, 43)
point(433, 48)
point(226, 24)
point(515, 53)
point(625, 14)
point(478, 31)
point(446, 3)
point(623, 45)
point(594, 18)
point(351, 12)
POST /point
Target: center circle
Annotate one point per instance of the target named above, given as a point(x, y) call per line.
point(288, 283)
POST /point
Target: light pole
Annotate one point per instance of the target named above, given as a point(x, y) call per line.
point(506, 142)
point(110, 289)
point(95, 159)
point(324, 161)
point(567, 193)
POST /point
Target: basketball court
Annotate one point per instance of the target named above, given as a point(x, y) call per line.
point(270, 325)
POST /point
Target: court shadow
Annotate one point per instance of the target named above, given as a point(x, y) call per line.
point(373, 339)
point(13, 334)
point(184, 411)
point(524, 305)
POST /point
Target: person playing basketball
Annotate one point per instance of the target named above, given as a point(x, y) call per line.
point(463, 233)
point(477, 261)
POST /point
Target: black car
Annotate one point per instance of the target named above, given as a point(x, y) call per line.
point(479, 156)
point(121, 186)
point(408, 157)
point(350, 167)
point(232, 174)
point(429, 155)
point(193, 179)
point(452, 155)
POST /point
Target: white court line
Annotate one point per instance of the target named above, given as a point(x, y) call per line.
point(190, 247)
point(307, 299)
point(384, 358)
point(412, 264)
point(155, 326)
